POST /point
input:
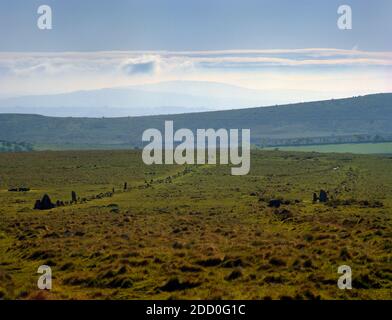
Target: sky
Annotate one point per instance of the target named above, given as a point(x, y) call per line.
point(265, 45)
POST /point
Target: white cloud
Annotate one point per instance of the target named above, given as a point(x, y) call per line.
point(37, 73)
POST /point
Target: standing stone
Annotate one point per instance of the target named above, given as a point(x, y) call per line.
point(323, 197)
point(37, 205)
point(44, 204)
point(73, 197)
point(125, 186)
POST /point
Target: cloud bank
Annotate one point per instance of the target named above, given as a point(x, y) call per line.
point(43, 73)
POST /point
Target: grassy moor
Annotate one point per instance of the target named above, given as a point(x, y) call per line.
point(125, 230)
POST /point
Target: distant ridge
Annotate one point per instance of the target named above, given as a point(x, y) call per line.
point(169, 97)
point(358, 119)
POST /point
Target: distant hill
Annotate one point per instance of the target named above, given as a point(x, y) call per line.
point(361, 118)
point(168, 97)
point(8, 146)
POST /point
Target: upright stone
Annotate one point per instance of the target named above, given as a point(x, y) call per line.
point(73, 197)
point(323, 197)
point(44, 204)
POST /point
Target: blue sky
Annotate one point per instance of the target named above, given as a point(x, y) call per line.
point(194, 25)
point(267, 45)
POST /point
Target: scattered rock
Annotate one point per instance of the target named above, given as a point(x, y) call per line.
point(274, 203)
point(20, 189)
point(59, 203)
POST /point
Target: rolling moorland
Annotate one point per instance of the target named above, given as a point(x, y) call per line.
point(195, 231)
point(351, 120)
point(357, 148)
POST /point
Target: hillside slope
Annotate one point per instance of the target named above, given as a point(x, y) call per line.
point(365, 115)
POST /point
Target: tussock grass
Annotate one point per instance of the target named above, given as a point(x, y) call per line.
point(196, 232)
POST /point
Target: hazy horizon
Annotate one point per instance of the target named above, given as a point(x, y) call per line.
point(123, 112)
point(197, 81)
point(234, 54)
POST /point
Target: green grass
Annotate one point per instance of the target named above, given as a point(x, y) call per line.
point(358, 148)
point(196, 232)
point(366, 117)
point(73, 146)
